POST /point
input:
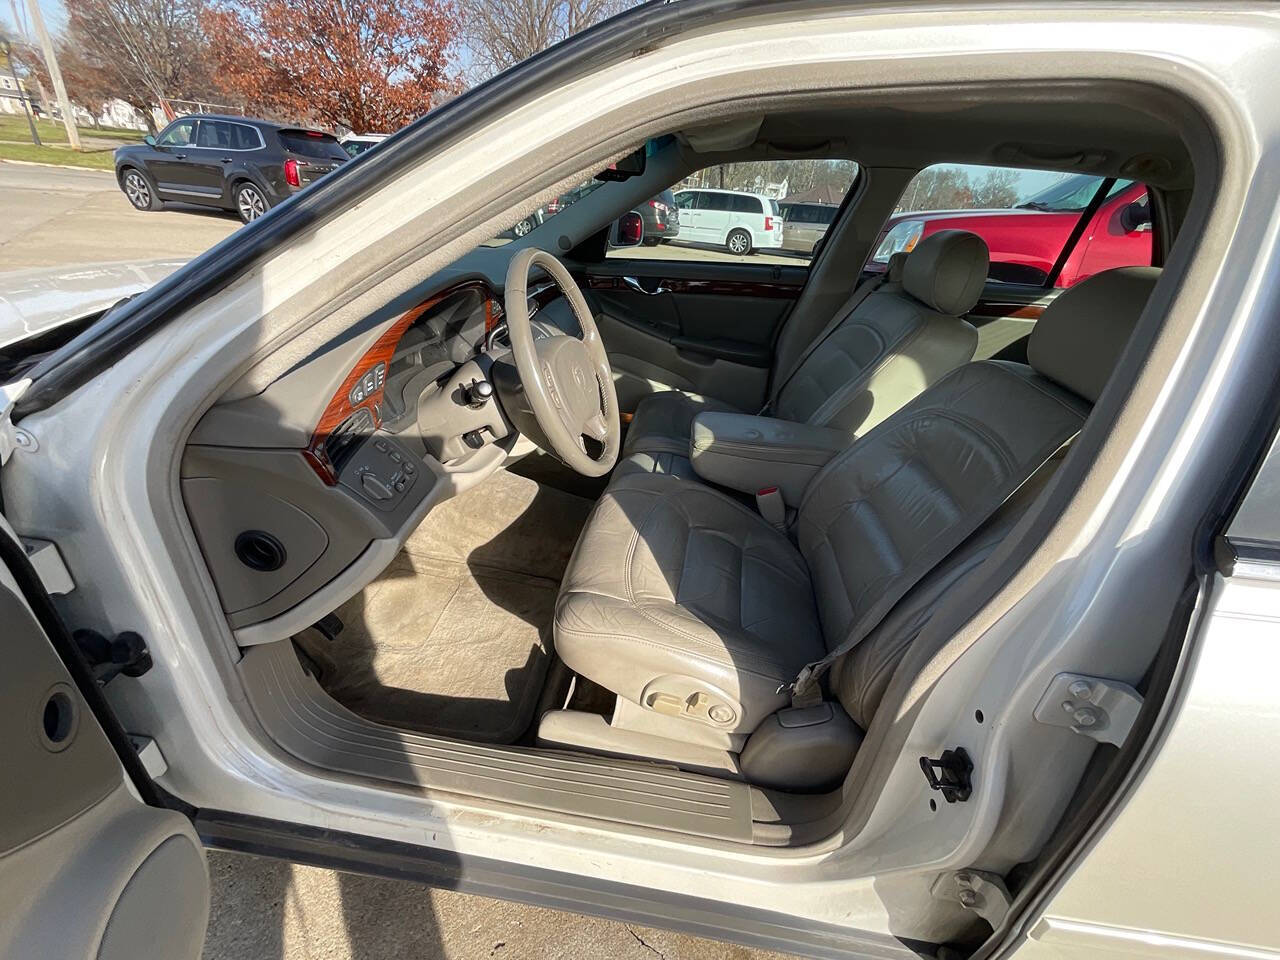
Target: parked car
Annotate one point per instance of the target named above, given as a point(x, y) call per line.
point(1025, 240)
point(804, 224)
point(661, 218)
point(357, 143)
point(740, 222)
point(235, 163)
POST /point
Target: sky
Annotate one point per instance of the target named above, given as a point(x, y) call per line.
point(55, 15)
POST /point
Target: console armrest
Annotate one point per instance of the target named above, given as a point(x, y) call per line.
point(747, 453)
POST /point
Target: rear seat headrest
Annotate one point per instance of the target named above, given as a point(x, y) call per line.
point(946, 271)
point(1080, 336)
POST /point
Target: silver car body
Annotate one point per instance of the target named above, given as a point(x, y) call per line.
point(1178, 864)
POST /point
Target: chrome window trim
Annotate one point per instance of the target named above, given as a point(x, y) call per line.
point(262, 143)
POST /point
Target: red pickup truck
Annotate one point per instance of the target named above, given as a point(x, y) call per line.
point(1026, 240)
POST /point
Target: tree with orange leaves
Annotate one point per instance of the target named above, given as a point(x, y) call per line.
point(369, 65)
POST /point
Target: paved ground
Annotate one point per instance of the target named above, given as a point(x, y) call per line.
point(266, 910)
point(51, 216)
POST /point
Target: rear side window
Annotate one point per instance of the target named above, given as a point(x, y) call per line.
point(1027, 218)
point(307, 143)
point(223, 135)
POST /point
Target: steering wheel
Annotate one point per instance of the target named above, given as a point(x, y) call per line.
point(567, 380)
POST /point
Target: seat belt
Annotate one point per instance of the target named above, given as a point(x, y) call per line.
point(806, 688)
point(833, 324)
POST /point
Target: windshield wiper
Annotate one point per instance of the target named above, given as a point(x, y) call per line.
point(1034, 205)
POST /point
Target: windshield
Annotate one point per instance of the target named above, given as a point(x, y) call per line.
point(1070, 194)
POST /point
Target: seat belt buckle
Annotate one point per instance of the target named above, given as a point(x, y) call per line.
point(769, 503)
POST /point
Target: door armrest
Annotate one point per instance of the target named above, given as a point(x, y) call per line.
point(748, 454)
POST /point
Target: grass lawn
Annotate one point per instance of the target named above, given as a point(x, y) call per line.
point(62, 156)
point(14, 127)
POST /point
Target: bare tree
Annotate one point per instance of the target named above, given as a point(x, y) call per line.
point(501, 33)
point(150, 49)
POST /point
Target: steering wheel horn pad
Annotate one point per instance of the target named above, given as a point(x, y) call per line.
point(567, 380)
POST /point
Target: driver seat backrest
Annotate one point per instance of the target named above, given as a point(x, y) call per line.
point(889, 348)
point(900, 500)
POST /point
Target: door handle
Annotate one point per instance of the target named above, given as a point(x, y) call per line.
point(226, 159)
point(635, 285)
point(179, 156)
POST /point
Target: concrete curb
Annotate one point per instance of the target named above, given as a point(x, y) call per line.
point(55, 166)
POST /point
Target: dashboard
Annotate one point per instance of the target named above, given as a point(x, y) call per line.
point(301, 493)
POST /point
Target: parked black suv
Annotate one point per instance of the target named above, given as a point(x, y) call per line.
point(231, 162)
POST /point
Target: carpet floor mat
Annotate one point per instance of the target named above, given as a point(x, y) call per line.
point(454, 638)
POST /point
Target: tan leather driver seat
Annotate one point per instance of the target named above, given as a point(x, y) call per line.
point(689, 606)
point(886, 350)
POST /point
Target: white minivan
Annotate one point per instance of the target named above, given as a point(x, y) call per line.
point(740, 222)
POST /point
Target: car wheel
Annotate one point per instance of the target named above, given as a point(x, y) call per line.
point(139, 190)
point(250, 203)
point(522, 228)
point(738, 243)
point(652, 241)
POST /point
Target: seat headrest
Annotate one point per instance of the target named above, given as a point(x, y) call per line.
point(946, 271)
point(1080, 336)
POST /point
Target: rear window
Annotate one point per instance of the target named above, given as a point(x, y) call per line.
point(308, 143)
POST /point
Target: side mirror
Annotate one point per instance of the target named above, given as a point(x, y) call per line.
point(1136, 217)
point(149, 140)
point(628, 230)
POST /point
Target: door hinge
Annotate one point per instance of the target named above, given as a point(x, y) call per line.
point(1104, 710)
point(124, 653)
point(951, 773)
point(977, 890)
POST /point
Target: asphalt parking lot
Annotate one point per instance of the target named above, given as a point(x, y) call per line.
point(267, 910)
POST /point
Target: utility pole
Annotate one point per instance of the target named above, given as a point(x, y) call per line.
point(51, 61)
point(22, 94)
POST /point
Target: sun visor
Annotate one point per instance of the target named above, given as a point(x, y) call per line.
point(735, 134)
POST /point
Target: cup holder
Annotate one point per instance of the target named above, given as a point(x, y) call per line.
point(59, 718)
point(259, 550)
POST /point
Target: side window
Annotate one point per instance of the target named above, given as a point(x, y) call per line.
point(694, 231)
point(1027, 218)
point(244, 137)
point(178, 134)
point(214, 134)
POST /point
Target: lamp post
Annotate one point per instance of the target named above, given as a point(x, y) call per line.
point(51, 61)
point(22, 94)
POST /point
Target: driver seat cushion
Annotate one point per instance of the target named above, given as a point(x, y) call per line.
point(673, 579)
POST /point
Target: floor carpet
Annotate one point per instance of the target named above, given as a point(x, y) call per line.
point(454, 638)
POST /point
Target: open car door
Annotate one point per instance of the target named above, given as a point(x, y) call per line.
point(87, 869)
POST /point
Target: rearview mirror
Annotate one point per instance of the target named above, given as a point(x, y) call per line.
point(628, 230)
point(632, 165)
point(149, 140)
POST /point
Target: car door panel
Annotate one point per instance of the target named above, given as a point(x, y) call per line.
point(701, 326)
point(86, 868)
point(1006, 314)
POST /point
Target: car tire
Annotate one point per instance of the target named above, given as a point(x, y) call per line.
point(250, 201)
point(523, 228)
point(139, 190)
point(738, 243)
point(651, 241)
